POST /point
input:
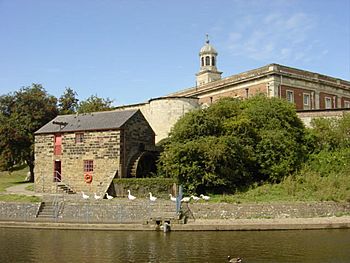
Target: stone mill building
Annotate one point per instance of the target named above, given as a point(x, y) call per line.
point(84, 152)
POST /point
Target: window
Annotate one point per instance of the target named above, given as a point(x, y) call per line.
point(202, 61)
point(58, 144)
point(328, 102)
point(347, 104)
point(207, 60)
point(290, 96)
point(213, 61)
point(306, 99)
point(79, 137)
point(88, 165)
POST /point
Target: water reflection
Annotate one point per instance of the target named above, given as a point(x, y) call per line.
point(29, 245)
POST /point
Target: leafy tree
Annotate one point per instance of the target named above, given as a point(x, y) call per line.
point(233, 143)
point(94, 103)
point(21, 114)
point(331, 133)
point(68, 102)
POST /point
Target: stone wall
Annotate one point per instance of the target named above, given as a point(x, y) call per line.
point(162, 113)
point(103, 147)
point(11, 211)
point(273, 210)
point(138, 136)
point(121, 210)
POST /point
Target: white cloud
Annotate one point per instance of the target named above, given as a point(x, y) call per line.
point(275, 36)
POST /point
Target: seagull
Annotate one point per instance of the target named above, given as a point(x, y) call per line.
point(131, 197)
point(152, 198)
point(97, 196)
point(172, 198)
point(205, 197)
point(195, 198)
point(186, 199)
point(85, 196)
point(109, 197)
point(234, 260)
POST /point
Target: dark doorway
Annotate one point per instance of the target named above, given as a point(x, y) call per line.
point(57, 171)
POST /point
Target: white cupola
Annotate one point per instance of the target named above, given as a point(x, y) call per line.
point(207, 59)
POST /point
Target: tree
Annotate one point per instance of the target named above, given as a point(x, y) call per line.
point(233, 143)
point(94, 103)
point(68, 103)
point(21, 114)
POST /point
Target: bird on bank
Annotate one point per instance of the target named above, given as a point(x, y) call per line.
point(97, 196)
point(172, 198)
point(151, 197)
point(234, 260)
point(130, 196)
point(205, 197)
point(85, 196)
point(195, 198)
point(186, 199)
point(109, 197)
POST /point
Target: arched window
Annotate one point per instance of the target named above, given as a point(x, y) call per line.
point(207, 61)
point(213, 61)
point(202, 61)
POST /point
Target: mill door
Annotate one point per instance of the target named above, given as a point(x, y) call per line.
point(57, 171)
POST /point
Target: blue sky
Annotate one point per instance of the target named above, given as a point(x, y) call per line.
point(134, 50)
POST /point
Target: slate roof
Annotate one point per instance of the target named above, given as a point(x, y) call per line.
point(107, 120)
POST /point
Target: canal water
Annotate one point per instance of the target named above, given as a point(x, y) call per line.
point(31, 245)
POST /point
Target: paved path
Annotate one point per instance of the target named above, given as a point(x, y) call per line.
point(202, 225)
point(20, 189)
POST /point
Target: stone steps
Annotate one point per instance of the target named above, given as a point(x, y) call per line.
point(46, 210)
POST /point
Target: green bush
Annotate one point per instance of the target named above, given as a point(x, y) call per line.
point(233, 143)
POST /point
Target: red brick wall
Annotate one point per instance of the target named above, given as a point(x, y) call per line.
point(298, 96)
point(343, 99)
point(241, 93)
point(323, 96)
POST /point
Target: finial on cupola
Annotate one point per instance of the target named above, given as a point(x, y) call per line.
point(207, 36)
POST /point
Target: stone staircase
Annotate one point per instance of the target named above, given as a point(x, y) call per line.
point(160, 212)
point(62, 187)
point(49, 210)
point(46, 210)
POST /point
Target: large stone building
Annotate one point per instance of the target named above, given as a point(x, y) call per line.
point(86, 151)
point(309, 91)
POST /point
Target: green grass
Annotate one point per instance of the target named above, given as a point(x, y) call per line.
point(306, 185)
point(8, 179)
point(17, 176)
point(19, 198)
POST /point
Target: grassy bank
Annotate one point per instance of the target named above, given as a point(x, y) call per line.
point(8, 179)
point(325, 177)
point(17, 176)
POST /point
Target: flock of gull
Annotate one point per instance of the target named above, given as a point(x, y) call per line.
point(151, 197)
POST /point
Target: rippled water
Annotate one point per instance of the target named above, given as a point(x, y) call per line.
point(30, 245)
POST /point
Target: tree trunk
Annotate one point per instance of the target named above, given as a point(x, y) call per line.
point(31, 170)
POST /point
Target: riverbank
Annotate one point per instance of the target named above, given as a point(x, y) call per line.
point(199, 225)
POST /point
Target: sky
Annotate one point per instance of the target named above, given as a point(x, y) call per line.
point(133, 50)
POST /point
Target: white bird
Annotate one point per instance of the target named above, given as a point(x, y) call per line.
point(97, 196)
point(195, 198)
point(131, 197)
point(172, 198)
point(205, 197)
point(152, 198)
point(85, 196)
point(234, 260)
point(186, 199)
point(109, 197)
